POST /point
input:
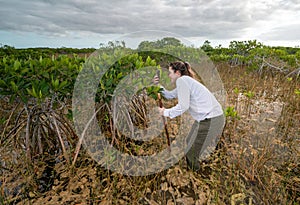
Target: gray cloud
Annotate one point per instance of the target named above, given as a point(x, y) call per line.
point(218, 19)
point(290, 32)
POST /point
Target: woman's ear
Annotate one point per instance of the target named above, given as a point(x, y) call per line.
point(178, 72)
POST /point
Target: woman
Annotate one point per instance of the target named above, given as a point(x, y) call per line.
point(203, 107)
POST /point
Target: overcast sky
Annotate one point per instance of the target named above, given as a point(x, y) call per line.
point(87, 23)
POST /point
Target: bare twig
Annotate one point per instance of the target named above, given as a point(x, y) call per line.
point(266, 63)
point(61, 140)
point(78, 146)
point(8, 120)
point(294, 72)
point(164, 121)
point(65, 126)
point(39, 139)
point(27, 140)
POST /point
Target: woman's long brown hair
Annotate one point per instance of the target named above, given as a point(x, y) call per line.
point(183, 67)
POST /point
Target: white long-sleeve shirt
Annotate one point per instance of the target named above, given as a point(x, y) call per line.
point(194, 97)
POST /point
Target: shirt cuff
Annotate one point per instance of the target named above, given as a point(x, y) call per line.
point(167, 113)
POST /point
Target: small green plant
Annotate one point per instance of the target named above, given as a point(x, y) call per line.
point(152, 91)
point(249, 94)
point(231, 112)
point(236, 90)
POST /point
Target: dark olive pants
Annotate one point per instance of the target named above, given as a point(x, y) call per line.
point(206, 135)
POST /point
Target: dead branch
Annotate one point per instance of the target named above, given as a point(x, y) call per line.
point(78, 146)
point(295, 72)
point(271, 66)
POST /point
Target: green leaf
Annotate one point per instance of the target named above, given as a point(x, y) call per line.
point(120, 75)
point(30, 92)
point(25, 70)
point(44, 88)
point(17, 65)
point(45, 75)
point(40, 94)
point(14, 86)
point(2, 83)
point(63, 84)
point(102, 86)
point(56, 84)
point(34, 94)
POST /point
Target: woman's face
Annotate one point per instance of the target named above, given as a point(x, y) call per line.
point(173, 75)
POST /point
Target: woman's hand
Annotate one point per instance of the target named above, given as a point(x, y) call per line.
point(155, 80)
point(161, 111)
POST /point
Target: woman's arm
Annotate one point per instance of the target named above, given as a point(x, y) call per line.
point(183, 100)
point(169, 94)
